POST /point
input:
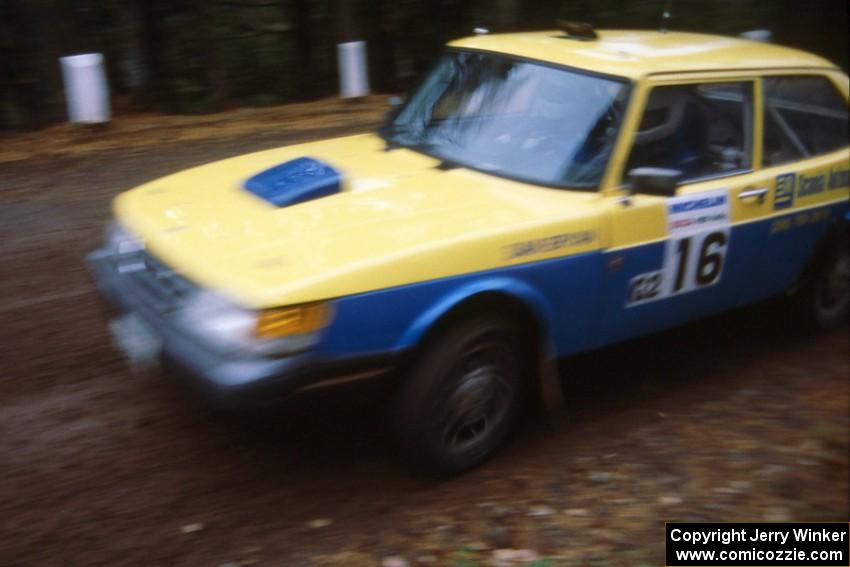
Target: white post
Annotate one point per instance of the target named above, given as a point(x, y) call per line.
point(86, 88)
point(764, 36)
point(353, 69)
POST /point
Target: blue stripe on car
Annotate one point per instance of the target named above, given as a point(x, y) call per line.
point(564, 293)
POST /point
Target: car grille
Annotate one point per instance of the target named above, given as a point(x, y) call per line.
point(152, 283)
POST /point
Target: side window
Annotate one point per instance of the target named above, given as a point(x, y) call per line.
point(803, 117)
point(700, 130)
point(781, 145)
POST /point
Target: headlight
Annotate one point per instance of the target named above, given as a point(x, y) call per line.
point(229, 328)
point(120, 241)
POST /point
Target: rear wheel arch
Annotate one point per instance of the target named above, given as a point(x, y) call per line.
point(816, 298)
point(835, 235)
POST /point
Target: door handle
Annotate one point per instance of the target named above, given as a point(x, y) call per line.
point(757, 194)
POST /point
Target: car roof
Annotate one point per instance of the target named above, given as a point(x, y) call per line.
point(634, 54)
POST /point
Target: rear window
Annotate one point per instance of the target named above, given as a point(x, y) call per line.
point(803, 117)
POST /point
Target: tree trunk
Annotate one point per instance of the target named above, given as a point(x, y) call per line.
point(52, 24)
point(382, 45)
point(304, 47)
point(344, 11)
point(153, 91)
point(214, 61)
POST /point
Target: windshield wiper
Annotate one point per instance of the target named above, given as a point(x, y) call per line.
point(448, 165)
point(385, 132)
point(430, 149)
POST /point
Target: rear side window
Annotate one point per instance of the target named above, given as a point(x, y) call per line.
point(803, 117)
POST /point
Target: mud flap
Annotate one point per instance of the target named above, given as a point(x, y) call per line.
point(551, 392)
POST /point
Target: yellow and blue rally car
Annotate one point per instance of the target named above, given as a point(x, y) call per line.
point(538, 195)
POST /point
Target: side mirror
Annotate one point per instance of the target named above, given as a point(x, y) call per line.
point(655, 181)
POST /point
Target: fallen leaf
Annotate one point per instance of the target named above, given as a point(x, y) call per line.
point(320, 523)
point(191, 528)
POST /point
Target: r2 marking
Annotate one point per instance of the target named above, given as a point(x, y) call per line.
point(645, 287)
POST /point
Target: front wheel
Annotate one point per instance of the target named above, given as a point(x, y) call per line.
point(461, 398)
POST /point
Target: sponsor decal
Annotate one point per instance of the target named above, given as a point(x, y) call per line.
point(784, 196)
point(686, 206)
point(789, 184)
point(698, 237)
point(549, 244)
point(810, 185)
point(839, 179)
point(799, 220)
point(693, 213)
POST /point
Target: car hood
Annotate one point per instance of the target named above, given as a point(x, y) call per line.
point(397, 219)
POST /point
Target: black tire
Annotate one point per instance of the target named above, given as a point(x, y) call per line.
point(461, 397)
point(822, 302)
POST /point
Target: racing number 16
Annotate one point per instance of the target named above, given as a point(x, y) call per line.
point(691, 262)
point(706, 268)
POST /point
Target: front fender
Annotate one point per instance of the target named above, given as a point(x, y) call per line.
point(394, 320)
point(511, 287)
point(548, 380)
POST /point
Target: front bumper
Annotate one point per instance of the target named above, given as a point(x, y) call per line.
point(228, 382)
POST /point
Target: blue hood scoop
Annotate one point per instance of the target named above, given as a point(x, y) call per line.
point(295, 181)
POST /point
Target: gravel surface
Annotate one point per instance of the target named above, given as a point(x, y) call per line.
point(735, 418)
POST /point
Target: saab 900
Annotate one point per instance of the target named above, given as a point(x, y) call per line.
point(538, 195)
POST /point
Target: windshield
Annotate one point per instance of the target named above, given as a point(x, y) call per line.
point(524, 120)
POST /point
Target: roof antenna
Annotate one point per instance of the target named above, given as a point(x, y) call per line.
point(665, 17)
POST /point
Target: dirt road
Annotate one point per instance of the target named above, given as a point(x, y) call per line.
point(731, 419)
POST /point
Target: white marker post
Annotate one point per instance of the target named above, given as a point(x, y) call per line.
point(764, 36)
point(86, 88)
point(353, 69)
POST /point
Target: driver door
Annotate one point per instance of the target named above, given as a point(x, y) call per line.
point(685, 255)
